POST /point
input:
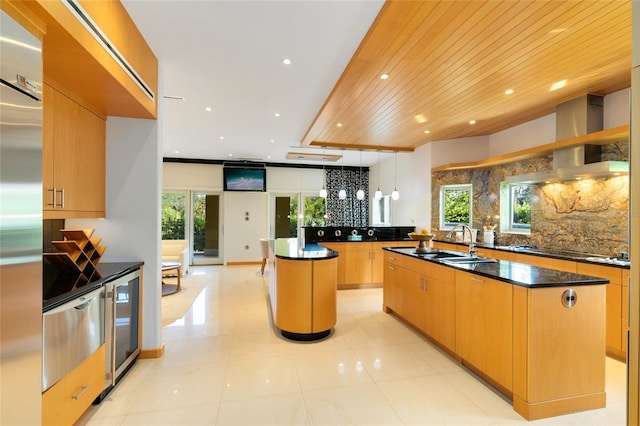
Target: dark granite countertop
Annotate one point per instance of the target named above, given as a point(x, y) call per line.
point(290, 248)
point(57, 288)
point(556, 254)
point(512, 272)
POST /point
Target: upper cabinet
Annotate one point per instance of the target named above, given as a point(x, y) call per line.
point(73, 154)
point(93, 52)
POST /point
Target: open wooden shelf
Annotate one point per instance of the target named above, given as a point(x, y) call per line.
point(603, 137)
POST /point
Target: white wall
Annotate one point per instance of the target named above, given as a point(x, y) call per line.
point(131, 230)
point(527, 135)
point(241, 236)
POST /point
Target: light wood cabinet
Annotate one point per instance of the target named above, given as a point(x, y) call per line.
point(342, 267)
point(414, 296)
point(74, 159)
point(305, 295)
point(67, 400)
point(558, 351)
point(440, 308)
point(361, 263)
point(484, 325)
point(616, 320)
point(391, 290)
point(358, 263)
point(624, 337)
point(377, 257)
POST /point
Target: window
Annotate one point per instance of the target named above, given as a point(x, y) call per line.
point(381, 211)
point(520, 207)
point(455, 205)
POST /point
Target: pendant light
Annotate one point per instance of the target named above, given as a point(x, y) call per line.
point(395, 195)
point(360, 193)
point(323, 191)
point(342, 194)
point(378, 193)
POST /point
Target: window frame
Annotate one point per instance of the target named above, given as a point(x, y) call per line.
point(468, 187)
point(508, 207)
point(384, 213)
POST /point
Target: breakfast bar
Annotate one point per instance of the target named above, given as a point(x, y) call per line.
point(302, 289)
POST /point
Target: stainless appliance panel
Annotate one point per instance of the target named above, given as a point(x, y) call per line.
point(122, 325)
point(20, 225)
point(71, 332)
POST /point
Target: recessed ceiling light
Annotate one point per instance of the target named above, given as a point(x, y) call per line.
point(472, 121)
point(277, 114)
point(558, 85)
point(557, 30)
point(427, 131)
point(420, 118)
point(272, 140)
point(286, 61)
point(339, 125)
point(268, 156)
point(230, 155)
point(508, 92)
point(384, 76)
point(209, 109)
point(176, 152)
point(221, 137)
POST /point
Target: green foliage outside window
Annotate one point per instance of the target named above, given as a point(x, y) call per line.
point(314, 211)
point(173, 216)
point(521, 203)
point(456, 206)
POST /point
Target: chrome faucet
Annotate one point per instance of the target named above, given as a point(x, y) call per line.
point(472, 247)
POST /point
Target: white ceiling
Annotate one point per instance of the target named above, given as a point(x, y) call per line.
point(227, 55)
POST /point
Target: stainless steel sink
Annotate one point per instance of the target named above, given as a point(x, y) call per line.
point(458, 260)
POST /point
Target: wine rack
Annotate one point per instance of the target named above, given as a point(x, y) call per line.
point(78, 252)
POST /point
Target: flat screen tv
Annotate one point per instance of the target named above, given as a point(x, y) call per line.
point(245, 179)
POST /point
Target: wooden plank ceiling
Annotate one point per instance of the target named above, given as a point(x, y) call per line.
point(450, 62)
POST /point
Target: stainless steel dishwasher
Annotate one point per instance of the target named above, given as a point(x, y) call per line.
point(71, 332)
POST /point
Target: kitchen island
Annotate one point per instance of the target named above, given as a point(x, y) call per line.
point(536, 334)
point(302, 289)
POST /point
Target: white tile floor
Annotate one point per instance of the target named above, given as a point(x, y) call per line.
point(225, 365)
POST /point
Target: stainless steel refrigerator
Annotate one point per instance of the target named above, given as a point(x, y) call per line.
point(20, 225)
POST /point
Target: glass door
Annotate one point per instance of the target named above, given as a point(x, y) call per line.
point(289, 218)
point(206, 231)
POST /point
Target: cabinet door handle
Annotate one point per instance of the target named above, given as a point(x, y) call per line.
point(79, 395)
point(425, 284)
point(53, 191)
point(478, 280)
point(61, 198)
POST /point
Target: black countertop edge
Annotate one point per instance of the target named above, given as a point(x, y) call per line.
point(71, 286)
point(288, 248)
point(576, 258)
point(520, 274)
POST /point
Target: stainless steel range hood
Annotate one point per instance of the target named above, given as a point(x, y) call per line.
point(576, 117)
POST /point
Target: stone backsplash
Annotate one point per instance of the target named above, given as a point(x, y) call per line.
point(590, 216)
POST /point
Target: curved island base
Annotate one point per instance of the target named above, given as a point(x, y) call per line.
point(306, 337)
point(303, 287)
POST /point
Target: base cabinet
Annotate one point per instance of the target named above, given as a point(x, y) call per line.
point(559, 351)
point(484, 326)
point(305, 295)
point(66, 401)
point(392, 293)
point(361, 264)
